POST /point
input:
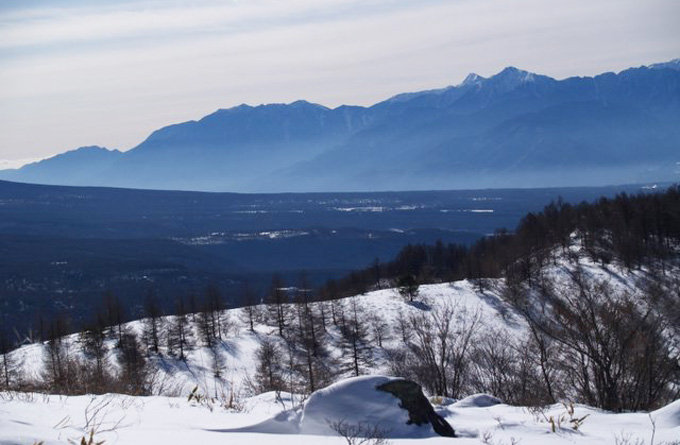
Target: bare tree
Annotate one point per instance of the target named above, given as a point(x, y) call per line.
point(134, 373)
point(152, 323)
point(380, 330)
point(403, 326)
point(206, 327)
point(268, 373)
point(250, 311)
point(309, 346)
point(510, 369)
point(321, 308)
point(94, 347)
point(8, 372)
point(614, 350)
point(438, 349)
point(278, 299)
point(115, 314)
point(213, 321)
point(495, 362)
point(179, 335)
point(217, 360)
point(355, 339)
point(338, 312)
point(214, 307)
point(60, 369)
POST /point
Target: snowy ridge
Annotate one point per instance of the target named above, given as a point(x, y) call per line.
point(237, 350)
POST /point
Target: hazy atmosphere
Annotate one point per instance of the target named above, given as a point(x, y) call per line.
point(109, 73)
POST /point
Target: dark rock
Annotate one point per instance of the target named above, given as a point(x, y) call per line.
point(420, 411)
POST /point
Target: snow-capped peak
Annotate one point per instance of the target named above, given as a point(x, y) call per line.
point(671, 64)
point(510, 78)
point(514, 74)
point(473, 79)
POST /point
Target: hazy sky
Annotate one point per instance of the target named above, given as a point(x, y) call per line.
point(108, 73)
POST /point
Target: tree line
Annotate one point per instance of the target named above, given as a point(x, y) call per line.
point(635, 230)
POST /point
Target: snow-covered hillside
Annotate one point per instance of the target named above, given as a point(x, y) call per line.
point(237, 350)
point(228, 368)
point(211, 395)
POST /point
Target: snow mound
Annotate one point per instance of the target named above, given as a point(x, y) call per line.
point(285, 422)
point(358, 401)
point(478, 401)
point(668, 416)
point(355, 402)
point(270, 403)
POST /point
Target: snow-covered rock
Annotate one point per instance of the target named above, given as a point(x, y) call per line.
point(361, 401)
point(355, 401)
point(361, 404)
point(477, 401)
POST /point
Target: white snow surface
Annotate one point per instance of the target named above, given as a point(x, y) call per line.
point(29, 418)
point(477, 401)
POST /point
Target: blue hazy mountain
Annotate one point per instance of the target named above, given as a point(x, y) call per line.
point(513, 129)
point(85, 164)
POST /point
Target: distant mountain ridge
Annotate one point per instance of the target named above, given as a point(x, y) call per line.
point(512, 129)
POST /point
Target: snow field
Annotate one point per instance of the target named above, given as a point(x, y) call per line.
point(119, 419)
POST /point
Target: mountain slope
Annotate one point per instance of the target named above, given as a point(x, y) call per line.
point(515, 128)
point(85, 165)
point(230, 149)
point(519, 129)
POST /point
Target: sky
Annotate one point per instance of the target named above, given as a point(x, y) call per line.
point(109, 72)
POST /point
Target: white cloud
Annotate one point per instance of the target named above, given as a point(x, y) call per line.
point(59, 26)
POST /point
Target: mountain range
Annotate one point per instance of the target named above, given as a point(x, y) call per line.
point(513, 129)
